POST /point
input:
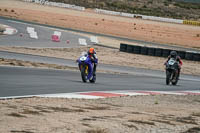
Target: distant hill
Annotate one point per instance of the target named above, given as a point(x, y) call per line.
point(179, 9)
point(189, 1)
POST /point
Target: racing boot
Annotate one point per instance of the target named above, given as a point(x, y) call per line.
point(94, 70)
point(178, 74)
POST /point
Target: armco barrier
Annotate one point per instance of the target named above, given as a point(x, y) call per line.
point(159, 52)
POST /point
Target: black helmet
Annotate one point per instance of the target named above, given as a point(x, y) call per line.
point(173, 54)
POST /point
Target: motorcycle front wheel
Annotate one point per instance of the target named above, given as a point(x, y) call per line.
point(175, 79)
point(83, 74)
point(168, 75)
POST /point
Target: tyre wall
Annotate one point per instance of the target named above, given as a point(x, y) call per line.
point(159, 52)
point(189, 22)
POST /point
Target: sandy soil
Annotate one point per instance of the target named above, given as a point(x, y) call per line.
point(136, 114)
point(164, 113)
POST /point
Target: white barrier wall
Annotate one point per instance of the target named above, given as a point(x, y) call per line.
point(57, 4)
point(141, 16)
point(170, 20)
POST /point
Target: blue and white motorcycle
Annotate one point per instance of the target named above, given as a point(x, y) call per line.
point(86, 66)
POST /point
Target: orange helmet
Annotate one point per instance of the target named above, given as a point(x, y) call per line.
point(91, 51)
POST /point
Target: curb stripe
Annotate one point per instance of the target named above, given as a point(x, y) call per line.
point(190, 93)
point(105, 94)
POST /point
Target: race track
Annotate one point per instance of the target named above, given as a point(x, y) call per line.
point(20, 81)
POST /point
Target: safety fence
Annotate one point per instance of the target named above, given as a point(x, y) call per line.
point(159, 52)
point(56, 4)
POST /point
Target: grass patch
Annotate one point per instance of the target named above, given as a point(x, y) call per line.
point(86, 124)
point(27, 111)
point(142, 122)
point(130, 126)
point(136, 113)
point(98, 130)
point(186, 120)
point(165, 122)
point(94, 107)
point(12, 106)
point(110, 104)
point(42, 109)
point(59, 109)
point(97, 108)
point(156, 102)
point(16, 115)
point(23, 131)
point(193, 130)
point(196, 114)
point(89, 119)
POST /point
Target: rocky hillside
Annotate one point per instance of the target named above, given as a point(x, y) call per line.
point(180, 9)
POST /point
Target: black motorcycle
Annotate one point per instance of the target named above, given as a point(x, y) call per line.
point(172, 72)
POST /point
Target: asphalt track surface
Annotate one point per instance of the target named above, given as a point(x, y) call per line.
point(20, 81)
